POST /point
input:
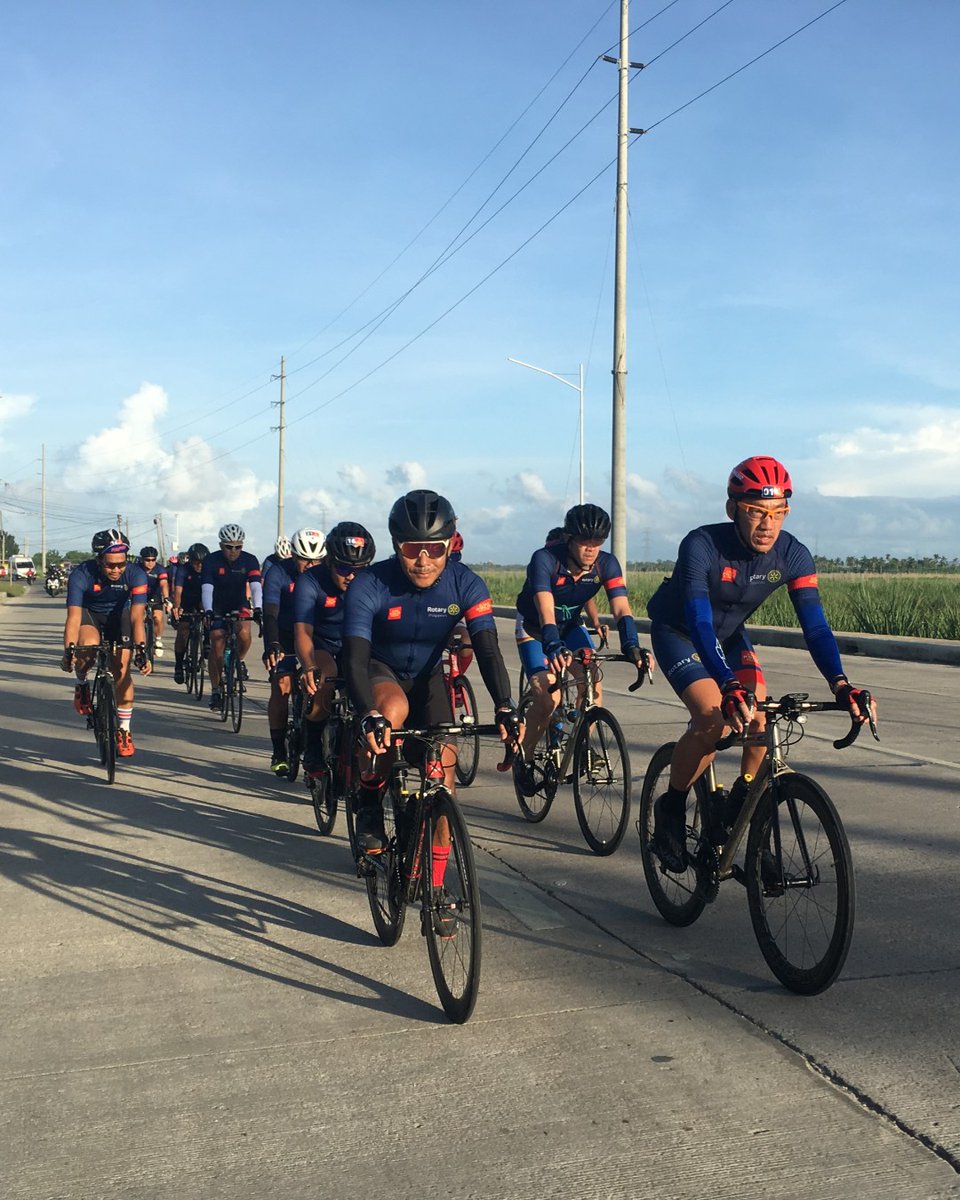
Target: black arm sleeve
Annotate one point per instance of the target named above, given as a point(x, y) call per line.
point(486, 648)
point(271, 626)
point(356, 671)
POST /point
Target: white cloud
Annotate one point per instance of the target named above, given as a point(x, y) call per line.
point(407, 476)
point(354, 478)
point(532, 487)
point(915, 453)
point(14, 406)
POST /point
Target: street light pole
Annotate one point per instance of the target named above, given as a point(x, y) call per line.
point(566, 383)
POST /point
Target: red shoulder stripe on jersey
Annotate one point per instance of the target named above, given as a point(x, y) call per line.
point(479, 610)
point(804, 581)
point(139, 590)
point(617, 581)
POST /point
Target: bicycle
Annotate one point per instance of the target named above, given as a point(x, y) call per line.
point(419, 820)
point(193, 660)
point(583, 744)
point(335, 779)
point(102, 718)
point(231, 678)
point(601, 633)
point(797, 868)
point(149, 631)
point(293, 738)
point(463, 706)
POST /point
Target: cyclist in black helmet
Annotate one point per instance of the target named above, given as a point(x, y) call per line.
point(399, 616)
point(186, 602)
point(561, 578)
point(158, 597)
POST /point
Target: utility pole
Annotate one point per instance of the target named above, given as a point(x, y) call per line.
point(618, 473)
point(283, 379)
point(43, 508)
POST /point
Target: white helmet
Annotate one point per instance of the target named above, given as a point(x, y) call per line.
point(308, 543)
point(282, 547)
point(232, 534)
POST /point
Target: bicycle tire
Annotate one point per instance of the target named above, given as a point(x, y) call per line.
point(201, 671)
point(676, 897)
point(191, 658)
point(386, 893)
point(226, 682)
point(324, 801)
point(804, 930)
point(149, 634)
point(294, 734)
point(468, 744)
point(602, 783)
point(454, 957)
point(109, 725)
point(536, 807)
point(236, 703)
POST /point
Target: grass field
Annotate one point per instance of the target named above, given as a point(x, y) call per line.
point(926, 606)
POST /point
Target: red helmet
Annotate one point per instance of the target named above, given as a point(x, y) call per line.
point(759, 478)
point(456, 543)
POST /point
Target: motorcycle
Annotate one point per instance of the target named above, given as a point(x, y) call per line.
point(54, 585)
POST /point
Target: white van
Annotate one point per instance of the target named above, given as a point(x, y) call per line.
point(22, 568)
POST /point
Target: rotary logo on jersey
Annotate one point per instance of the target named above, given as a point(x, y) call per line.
point(774, 576)
point(453, 610)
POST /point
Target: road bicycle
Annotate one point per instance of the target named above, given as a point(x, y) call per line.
point(232, 685)
point(335, 780)
point(583, 745)
point(422, 817)
point(149, 632)
point(463, 706)
point(194, 672)
point(293, 738)
point(601, 633)
point(102, 718)
point(797, 868)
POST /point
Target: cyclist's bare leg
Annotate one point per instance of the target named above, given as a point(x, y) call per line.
point(87, 638)
point(158, 622)
point(123, 677)
point(318, 691)
point(244, 636)
point(696, 748)
point(183, 631)
point(215, 662)
point(540, 711)
point(278, 706)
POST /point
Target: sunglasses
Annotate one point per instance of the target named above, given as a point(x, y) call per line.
point(430, 549)
point(345, 570)
point(148, 560)
point(114, 566)
point(755, 513)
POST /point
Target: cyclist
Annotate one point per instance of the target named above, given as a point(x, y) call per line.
point(158, 597)
point(591, 614)
point(398, 618)
point(278, 615)
point(106, 597)
point(282, 552)
point(722, 575)
point(318, 601)
point(227, 576)
point(187, 601)
point(561, 578)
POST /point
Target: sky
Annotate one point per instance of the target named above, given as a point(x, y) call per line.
point(396, 199)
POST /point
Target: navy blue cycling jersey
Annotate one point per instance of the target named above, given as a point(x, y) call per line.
point(409, 627)
point(188, 580)
point(719, 582)
point(550, 570)
point(224, 583)
point(155, 576)
point(318, 602)
point(88, 588)
point(278, 587)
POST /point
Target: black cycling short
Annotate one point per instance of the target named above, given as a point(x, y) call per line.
point(114, 626)
point(427, 696)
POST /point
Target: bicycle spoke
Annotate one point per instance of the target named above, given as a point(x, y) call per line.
point(601, 781)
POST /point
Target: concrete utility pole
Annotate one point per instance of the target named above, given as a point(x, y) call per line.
point(618, 473)
point(43, 508)
point(283, 379)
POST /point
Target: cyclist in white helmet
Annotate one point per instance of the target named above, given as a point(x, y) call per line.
point(307, 549)
point(230, 582)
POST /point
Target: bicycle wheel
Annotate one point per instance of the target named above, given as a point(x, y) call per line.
point(545, 775)
point(107, 716)
point(226, 683)
point(675, 895)
point(803, 915)
point(294, 736)
point(200, 667)
point(324, 801)
point(236, 697)
point(190, 662)
point(451, 913)
point(468, 743)
point(385, 886)
point(601, 781)
point(149, 634)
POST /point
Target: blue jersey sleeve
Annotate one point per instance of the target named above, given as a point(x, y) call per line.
point(274, 585)
point(305, 592)
point(361, 606)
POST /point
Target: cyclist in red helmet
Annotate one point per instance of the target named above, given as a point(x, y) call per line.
point(723, 574)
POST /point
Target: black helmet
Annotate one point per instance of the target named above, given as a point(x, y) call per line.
point(149, 552)
point(586, 521)
point(422, 516)
point(350, 545)
point(197, 552)
point(555, 535)
point(106, 538)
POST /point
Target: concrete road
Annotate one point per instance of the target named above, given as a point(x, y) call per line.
point(194, 1003)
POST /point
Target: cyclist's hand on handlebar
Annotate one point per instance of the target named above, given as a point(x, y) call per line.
point(140, 659)
point(737, 705)
point(602, 635)
point(208, 619)
point(858, 702)
point(375, 731)
point(308, 680)
point(273, 656)
point(642, 660)
point(66, 662)
point(509, 723)
point(257, 616)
